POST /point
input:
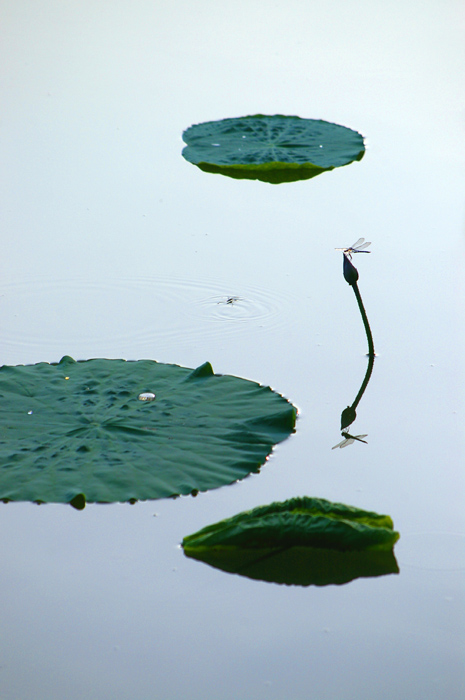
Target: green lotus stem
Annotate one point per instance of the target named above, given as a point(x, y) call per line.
point(371, 362)
point(351, 277)
point(371, 347)
point(349, 414)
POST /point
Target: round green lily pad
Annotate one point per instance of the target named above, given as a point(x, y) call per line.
point(273, 148)
point(302, 541)
point(110, 430)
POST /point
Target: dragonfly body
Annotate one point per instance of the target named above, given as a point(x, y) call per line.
point(349, 439)
point(357, 247)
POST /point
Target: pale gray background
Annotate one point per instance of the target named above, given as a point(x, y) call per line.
point(114, 246)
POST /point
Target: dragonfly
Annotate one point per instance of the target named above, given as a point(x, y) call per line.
point(349, 439)
point(356, 247)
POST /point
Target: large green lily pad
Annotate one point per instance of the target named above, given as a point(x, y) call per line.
point(303, 541)
point(273, 148)
point(109, 430)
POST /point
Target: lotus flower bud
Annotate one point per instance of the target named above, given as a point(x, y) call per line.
point(348, 416)
point(350, 272)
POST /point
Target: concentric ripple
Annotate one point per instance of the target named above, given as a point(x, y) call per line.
point(115, 315)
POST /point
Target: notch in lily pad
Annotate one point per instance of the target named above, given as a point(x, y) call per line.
point(303, 541)
point(272, 148)
point(116, 431)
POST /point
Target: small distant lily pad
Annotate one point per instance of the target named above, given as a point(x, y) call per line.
point(303, 541)
point(110, 430)
point(272, 148)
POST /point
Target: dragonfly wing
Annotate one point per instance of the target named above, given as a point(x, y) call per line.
point(362, 246)
point(339, 444)
point(358, 244)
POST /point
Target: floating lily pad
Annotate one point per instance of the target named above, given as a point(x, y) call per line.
point(271, 148)
point(109, 430)
point(302, 541)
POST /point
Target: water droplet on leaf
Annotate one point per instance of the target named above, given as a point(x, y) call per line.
point(147, 396)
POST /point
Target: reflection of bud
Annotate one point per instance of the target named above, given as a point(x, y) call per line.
point(350, 272)
point(348, 416)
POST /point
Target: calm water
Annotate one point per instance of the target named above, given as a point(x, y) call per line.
point(114, 246)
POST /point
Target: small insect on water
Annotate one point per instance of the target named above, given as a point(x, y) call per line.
point(229, 300)
point(357, 247)
point(349, 439)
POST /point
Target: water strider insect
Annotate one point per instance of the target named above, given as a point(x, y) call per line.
point(349, 439)
point(356, 247)
point(229, 300)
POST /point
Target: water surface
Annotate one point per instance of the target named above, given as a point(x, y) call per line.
point(114, 246)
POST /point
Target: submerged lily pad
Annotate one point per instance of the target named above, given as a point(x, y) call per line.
point(302, 541)
point(87, 431)
point(273, 148)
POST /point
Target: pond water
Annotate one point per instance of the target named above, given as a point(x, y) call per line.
point(114, 246)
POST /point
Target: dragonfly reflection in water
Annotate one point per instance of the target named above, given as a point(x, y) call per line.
point(349, 439)
point(357, 247)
